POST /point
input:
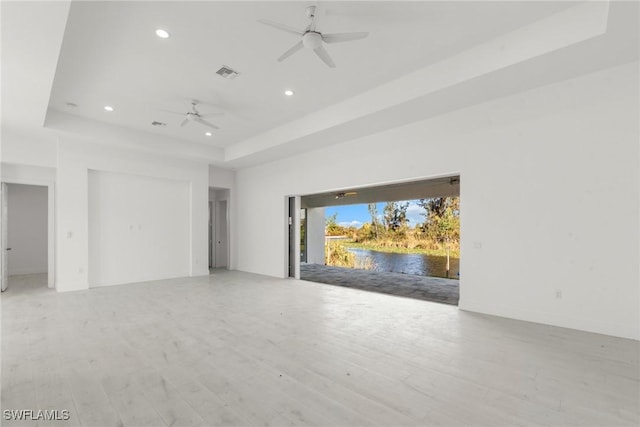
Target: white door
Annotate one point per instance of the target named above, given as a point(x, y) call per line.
point(211, 236)
point(4, 277)
point(221, 234)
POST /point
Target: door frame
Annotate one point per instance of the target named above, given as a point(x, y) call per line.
point(221, 233)
point(4, 240)
point(51, 223)
point(292, 237)
point(212, 236)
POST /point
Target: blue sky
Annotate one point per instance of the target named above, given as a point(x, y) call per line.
point(356, 215)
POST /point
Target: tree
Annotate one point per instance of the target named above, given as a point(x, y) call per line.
point(373, 211)
point(436, 206)
point(442, 215)
point(395, 215)
point(331, 225)
point(436, 209)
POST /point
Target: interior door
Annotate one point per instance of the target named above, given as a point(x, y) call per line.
point(221, 234)
point(211, 236)
point(292, 237)
point(4, 276)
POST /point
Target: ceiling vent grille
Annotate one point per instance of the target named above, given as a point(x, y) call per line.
point(227, 72)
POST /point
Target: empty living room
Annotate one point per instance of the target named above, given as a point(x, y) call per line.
point(155, 158)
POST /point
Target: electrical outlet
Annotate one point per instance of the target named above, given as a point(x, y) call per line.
point(558, 294)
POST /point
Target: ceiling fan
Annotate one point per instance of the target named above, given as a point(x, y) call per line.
point(193, 115)
point(312, 39)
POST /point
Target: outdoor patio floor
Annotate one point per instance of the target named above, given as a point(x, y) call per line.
point(406, 285)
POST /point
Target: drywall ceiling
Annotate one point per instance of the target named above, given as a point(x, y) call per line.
point(421, 59)
point(111, 55)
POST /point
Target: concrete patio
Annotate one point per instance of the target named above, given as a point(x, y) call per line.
point(434, 289)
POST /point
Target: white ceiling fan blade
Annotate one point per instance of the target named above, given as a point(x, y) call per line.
point(343, 37)
point(281, 27)
point(206, 123)
point(324, 55)
point(296, 47)
point(184, 122)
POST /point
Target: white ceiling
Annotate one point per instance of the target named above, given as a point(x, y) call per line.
point(106, 53)
point(111, 55)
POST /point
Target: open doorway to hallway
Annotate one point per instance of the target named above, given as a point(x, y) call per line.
point(401, 238)
point(25, 236)
point(218, 228)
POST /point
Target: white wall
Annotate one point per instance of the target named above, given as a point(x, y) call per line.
point(27, 229)
point(75, 159)
point(315, 235)
point(549, 194)
point(28, 174)
point(139, 228)
point(221, 178)
point(33, 149)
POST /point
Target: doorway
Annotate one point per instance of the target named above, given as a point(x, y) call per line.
point(399, 238)
point(219, 229)
point(211, 235)
point(296, 237)
point(221, 234)
point(292, 238)
point(27, 235)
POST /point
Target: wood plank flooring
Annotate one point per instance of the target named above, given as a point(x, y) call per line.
point(236, 349)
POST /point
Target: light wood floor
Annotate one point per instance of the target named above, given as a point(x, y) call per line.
point(242, 349)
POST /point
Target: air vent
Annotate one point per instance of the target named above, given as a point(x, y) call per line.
point(227, 73)
point(154, 123)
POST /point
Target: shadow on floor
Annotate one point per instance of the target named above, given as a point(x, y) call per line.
point(434, 289)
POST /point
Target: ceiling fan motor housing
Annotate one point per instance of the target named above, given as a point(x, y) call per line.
point(312, 40)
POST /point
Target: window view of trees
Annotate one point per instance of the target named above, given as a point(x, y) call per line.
point(441, 227)
point(389, 231)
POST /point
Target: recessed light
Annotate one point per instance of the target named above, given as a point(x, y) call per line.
point(208, 133)
point(163, 34)
point(289, 92)
point(108, 108)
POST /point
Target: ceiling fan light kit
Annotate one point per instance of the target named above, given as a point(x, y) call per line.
point(312, 39)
